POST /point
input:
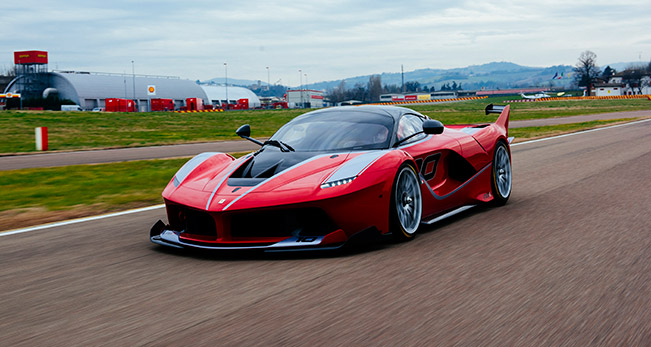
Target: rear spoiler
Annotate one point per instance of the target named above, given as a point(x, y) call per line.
point(504, 112)
point(494, 109)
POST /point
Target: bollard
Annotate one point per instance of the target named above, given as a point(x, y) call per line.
point(41, 138)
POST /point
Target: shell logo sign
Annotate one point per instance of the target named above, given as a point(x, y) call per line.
point(9, 95)
point(151, 90)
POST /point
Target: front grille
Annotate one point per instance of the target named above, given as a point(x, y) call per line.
point(282, 223)
point(196, 222)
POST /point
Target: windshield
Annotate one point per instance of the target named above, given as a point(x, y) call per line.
point(344, 130)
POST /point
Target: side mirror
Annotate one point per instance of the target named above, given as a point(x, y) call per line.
point(244, 131)
point(432, 127)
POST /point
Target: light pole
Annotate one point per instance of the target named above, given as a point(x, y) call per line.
point(307, 96)
point(300, 85)
point(133, 73)
point(226, 78)
point(268, 79)
point(402, 73)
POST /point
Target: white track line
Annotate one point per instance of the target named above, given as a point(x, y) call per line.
point(80, 220)
point(149, 208)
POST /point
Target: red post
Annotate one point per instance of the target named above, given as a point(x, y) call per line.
point(41, 138)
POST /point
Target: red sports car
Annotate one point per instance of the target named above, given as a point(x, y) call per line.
point(336, 175)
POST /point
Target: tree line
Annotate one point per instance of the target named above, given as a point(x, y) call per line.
point(374, 88)
point(587, 73)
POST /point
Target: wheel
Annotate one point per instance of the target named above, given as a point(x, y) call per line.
point(406, 203)
point(501, 177)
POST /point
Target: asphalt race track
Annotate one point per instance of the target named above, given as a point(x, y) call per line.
point(566, 262)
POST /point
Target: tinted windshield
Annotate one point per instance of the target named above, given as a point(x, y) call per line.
point(344, 130)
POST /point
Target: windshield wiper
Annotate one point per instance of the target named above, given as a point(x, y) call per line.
point(283, 146)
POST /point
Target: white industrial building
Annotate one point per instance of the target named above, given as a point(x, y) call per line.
point(305, 98)
point(216, 95)
point(90, 90)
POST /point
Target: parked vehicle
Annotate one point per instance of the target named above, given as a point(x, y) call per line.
point(71, 108)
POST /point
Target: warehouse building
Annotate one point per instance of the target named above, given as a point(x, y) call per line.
point(305, 98)
point(90, 90)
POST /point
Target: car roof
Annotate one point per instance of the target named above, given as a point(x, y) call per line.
point(393, 111)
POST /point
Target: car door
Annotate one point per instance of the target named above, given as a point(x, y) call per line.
point(437, 159)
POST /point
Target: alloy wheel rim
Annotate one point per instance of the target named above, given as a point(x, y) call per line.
point(503, 171)
point(408, 201)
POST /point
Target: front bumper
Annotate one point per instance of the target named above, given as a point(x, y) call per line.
point(162, 235)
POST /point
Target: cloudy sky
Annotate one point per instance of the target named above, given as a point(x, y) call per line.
point(326, 39)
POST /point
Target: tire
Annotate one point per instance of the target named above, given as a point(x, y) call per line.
point(406, 203)
point(501, 180)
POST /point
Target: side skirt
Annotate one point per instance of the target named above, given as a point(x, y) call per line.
point(446, 215)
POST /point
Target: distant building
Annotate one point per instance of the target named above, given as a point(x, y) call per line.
point(617, 86)
point(90, 90)
point(305, 98)
point(609, 89)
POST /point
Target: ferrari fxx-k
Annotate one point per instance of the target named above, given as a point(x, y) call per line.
point(335, 175)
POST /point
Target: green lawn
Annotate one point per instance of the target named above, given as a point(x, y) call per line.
point(104, 186)
point(84, 130)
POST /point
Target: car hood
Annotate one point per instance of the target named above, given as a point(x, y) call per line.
point(289, 175)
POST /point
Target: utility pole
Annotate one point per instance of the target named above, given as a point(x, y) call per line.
point(226, 79)
point(300, 86)
point(268, 79)
point(402, 72)
point(133, 73)
point(125, 84)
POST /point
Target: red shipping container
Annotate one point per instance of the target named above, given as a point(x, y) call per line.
point(162, 105)
point(194, 104)
point(120, 105)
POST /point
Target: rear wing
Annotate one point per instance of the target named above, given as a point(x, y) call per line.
point(503, 119)
point(494, 108)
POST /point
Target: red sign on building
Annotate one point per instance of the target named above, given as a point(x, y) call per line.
point(30, 57)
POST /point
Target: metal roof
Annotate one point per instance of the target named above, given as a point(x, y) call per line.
point(214, 92)
point(77, 86)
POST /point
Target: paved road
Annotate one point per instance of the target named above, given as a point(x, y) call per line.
point(567, 262)
point(578, 119)
point(124, 154)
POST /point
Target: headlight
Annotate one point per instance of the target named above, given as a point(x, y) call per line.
point(331, 184)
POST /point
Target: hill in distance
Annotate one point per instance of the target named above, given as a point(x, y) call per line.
point(495, 75)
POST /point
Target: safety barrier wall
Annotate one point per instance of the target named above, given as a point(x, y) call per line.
point(613, 97)
point(428, 101)
point(200, 111)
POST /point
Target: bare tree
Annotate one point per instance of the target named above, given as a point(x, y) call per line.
point(8, 71)
point(635, 75)
point(338, 93)
point(374, 87)
point(586, 70)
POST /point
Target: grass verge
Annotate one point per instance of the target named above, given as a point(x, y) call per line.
point(35, 196)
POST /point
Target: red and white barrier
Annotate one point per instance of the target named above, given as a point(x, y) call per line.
point(41, 138)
